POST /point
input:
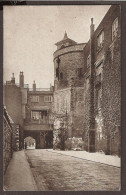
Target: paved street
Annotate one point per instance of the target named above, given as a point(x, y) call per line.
point(58, 172)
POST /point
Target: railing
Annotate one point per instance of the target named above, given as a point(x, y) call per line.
point(39, 122)
point(40, 89)
point(26, 86)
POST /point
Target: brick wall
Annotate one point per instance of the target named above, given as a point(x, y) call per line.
point(107, 85)
point(111, 97)
point(13, 100)
point(7, 140)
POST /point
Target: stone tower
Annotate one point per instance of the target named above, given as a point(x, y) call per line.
point(68, 85)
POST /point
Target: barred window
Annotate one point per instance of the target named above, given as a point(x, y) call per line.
point(34, 98)
point(114, 28)
point(47, 98)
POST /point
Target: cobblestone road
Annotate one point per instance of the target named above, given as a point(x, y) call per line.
point(58, 172)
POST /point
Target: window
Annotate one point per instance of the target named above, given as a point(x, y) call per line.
point(34, 98)
point(79, 72)
point(114, 28)
point(100, 40)
point(87, 83)
point(35, 115)
point(61, 75)
point(99, 97)
point(39, 115)
point(57, 72)
point(88, 61)
point(47, 98)
point(98, 79)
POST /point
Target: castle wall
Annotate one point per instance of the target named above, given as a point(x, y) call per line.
point(107, 84)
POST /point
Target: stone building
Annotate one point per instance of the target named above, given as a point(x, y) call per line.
point(68, 88)
point(30, 110)
point(87, 86)
point(38, 122)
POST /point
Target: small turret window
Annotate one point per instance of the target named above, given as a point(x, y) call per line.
point(57, 72)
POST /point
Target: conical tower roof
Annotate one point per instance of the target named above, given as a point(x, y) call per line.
point(65, 41)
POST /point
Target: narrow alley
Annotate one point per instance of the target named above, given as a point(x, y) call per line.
point(49, 170)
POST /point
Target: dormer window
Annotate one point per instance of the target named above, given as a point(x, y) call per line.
point(62, 46)
point(114, 28)
point(100, 40)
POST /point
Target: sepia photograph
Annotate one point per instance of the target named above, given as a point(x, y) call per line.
point(61, 97)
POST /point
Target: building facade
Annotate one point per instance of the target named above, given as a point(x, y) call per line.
point(30, 110)
point(88, 86)
point(38, 121)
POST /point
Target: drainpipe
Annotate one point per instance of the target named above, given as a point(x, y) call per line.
point(91, 133)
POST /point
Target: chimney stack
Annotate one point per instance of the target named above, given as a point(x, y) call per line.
point(34, 86)
point(13, 79)
point(91, 28)
point(21, 79)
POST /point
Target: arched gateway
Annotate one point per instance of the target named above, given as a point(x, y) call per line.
point(43, 139)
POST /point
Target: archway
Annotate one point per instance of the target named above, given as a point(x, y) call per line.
point(29, 143)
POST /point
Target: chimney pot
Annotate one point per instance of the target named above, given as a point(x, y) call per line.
point(21, 79)
point(34, 86)
point(13, 79)
point(91, 20)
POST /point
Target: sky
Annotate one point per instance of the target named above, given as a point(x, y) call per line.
point(30, 34)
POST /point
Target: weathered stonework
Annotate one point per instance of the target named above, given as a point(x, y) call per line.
point(93, 100)
point(7, 140)
point(107, 86)
point(68, 94)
